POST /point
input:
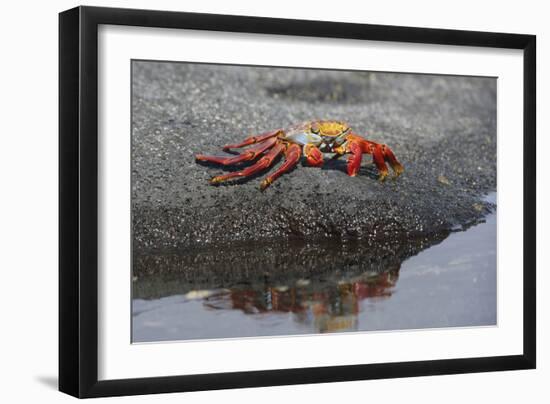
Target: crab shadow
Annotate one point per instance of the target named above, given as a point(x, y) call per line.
point(368, 171)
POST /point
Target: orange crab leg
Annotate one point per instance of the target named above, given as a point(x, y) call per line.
point(354, 159)
point(380, 154)
point(390, 158)
point(292, 156)
point(265, 162)
point(249, 154)
point(379, 160)
point(253, 139)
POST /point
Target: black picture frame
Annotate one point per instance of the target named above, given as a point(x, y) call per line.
point(78, 201)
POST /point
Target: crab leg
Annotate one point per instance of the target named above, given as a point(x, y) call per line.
point(253, 139)
point(249, 154)
point(292, 156)
point(390, 158)
point(379, 159)
point(356, 148)
point(265, 162)
point(354, 160)
point(380, 154)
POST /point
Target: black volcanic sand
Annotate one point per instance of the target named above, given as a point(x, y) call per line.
point(442, 128)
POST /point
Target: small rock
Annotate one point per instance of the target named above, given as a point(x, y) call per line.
point(443, 180)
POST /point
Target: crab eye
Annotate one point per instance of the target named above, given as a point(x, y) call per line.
point(315, 129)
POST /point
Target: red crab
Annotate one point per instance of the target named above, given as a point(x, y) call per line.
point(312, 139)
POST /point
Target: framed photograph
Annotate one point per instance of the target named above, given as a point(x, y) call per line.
point(251, 201)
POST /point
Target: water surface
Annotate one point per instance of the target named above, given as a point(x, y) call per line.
point(304, 288)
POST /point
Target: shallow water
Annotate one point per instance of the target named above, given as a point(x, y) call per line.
point(450, 284)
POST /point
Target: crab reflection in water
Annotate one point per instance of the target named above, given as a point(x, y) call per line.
point(327, 306)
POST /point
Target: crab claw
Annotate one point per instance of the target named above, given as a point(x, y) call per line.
point(314, 157)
